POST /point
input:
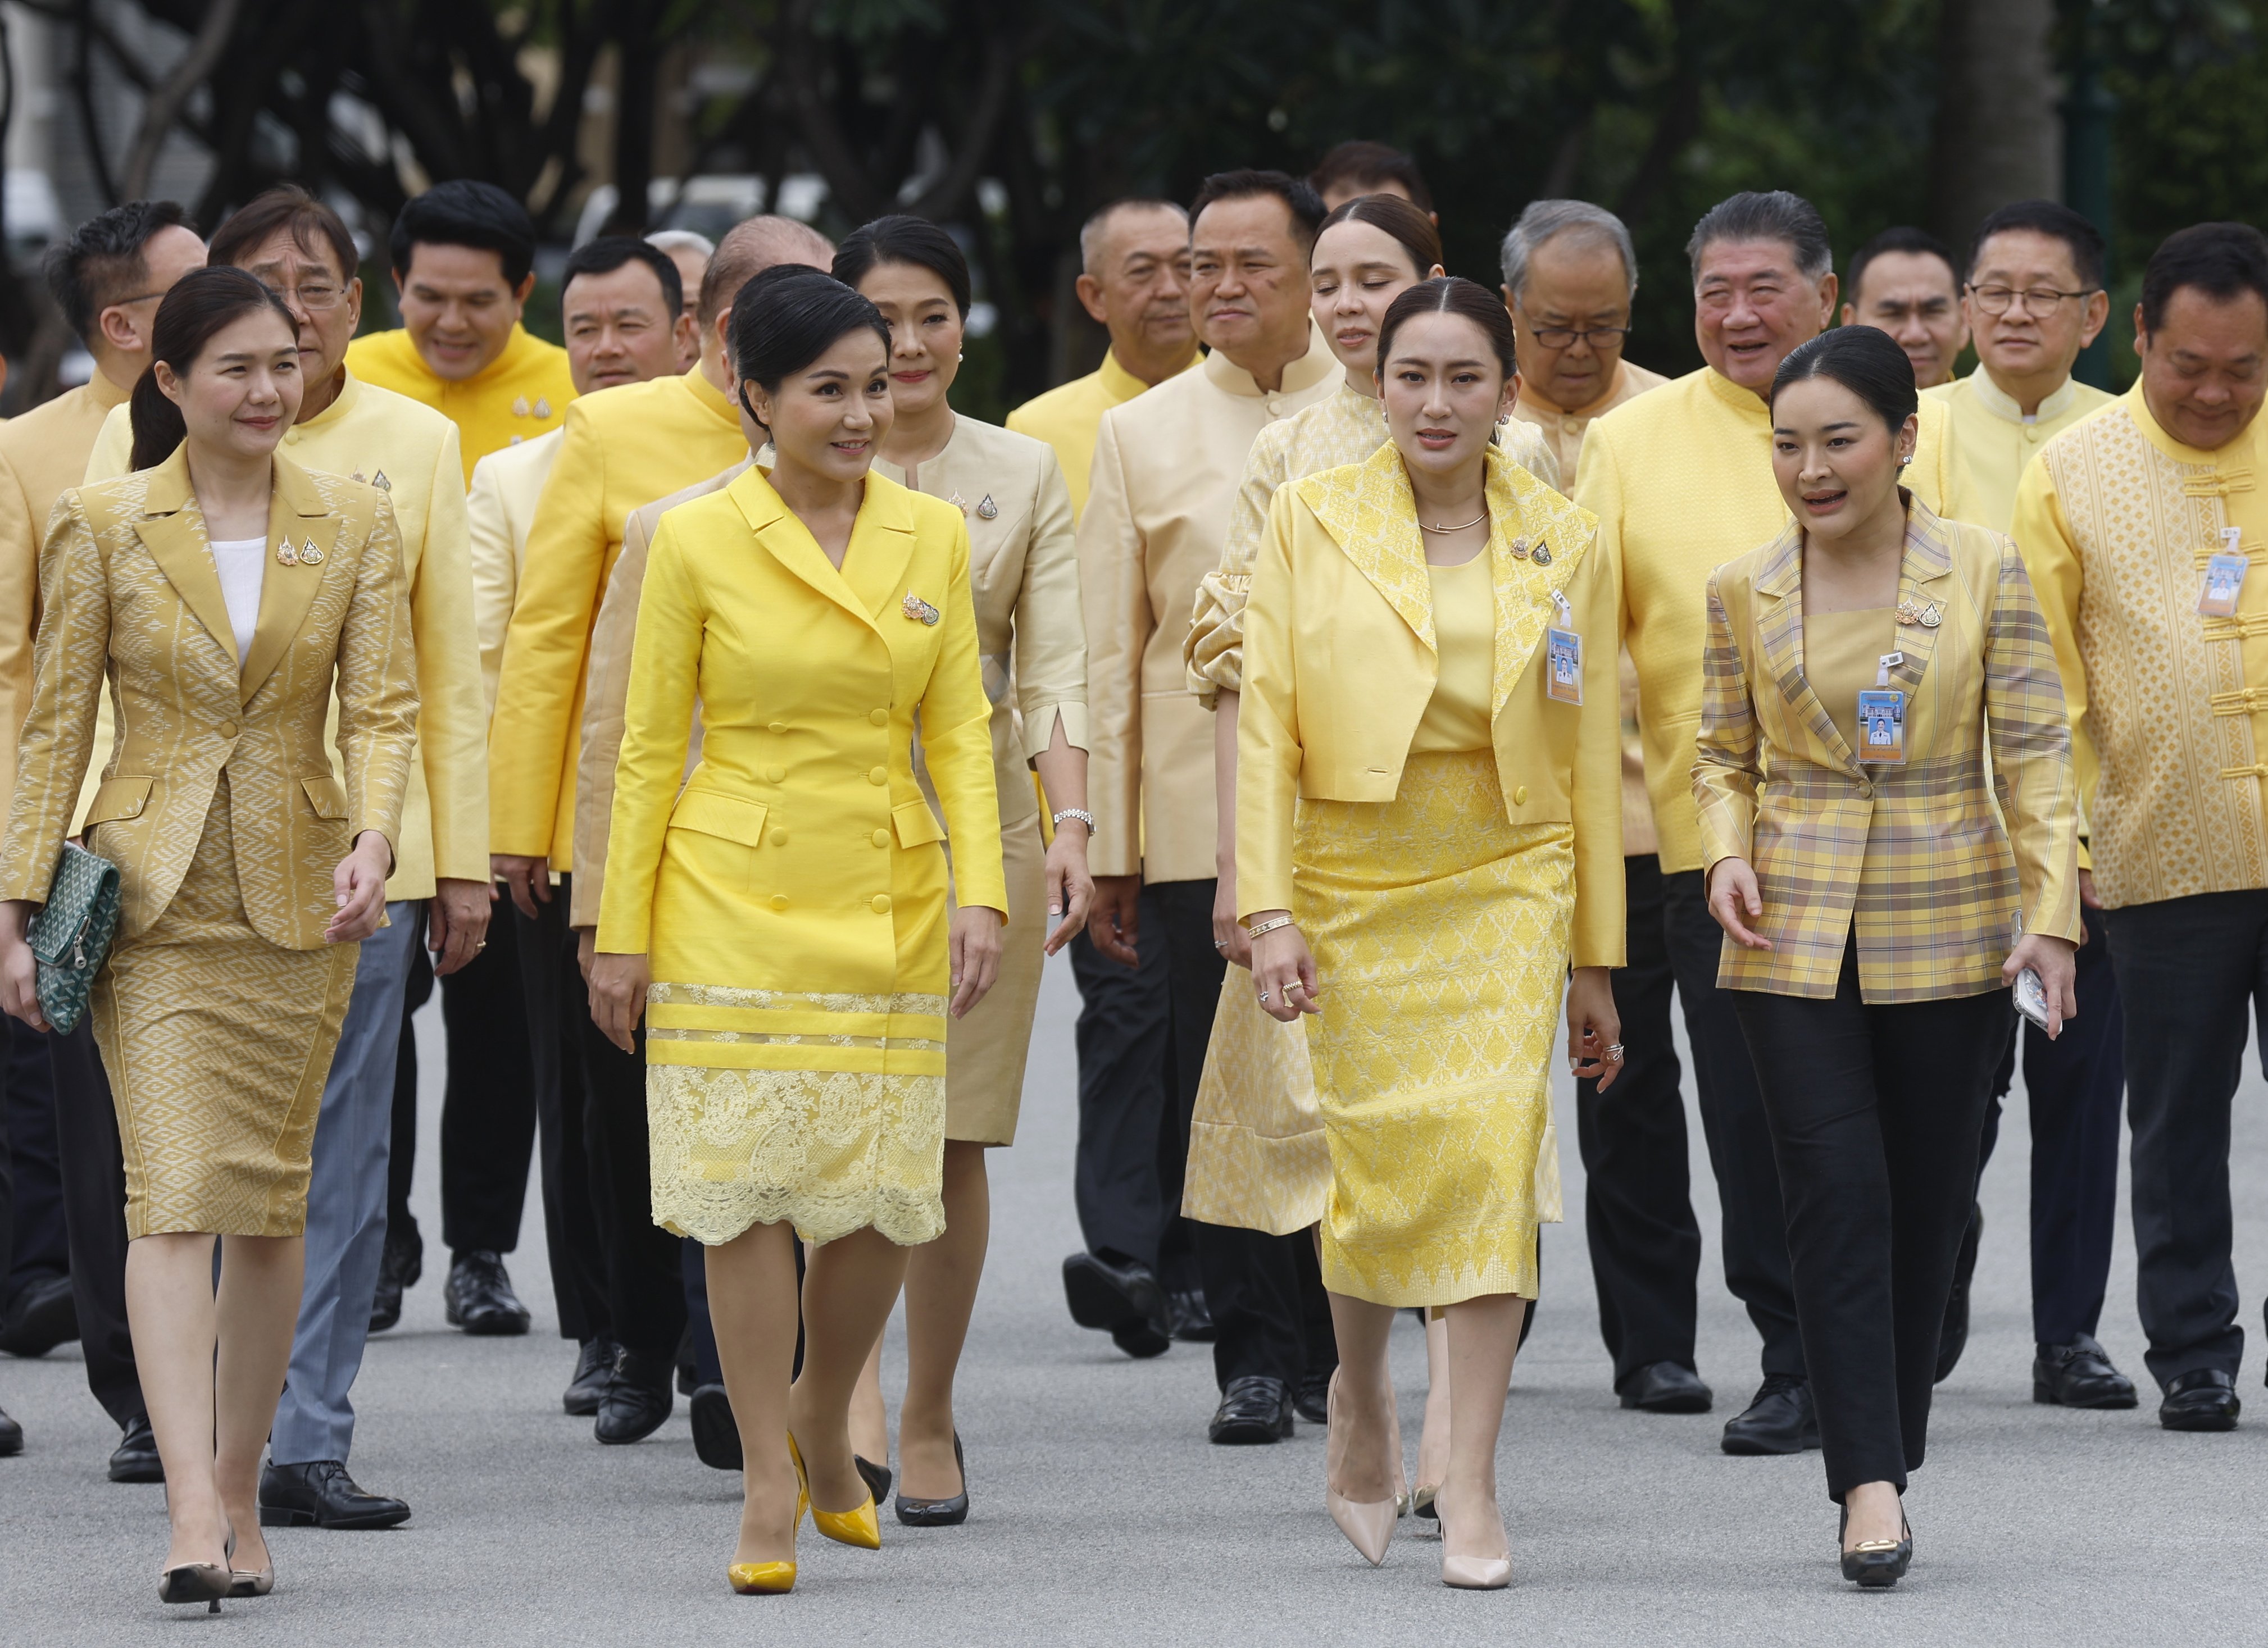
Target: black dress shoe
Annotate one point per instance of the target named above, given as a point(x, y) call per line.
point(1313, 1401)
point(1666, 1388)
point(939, 1513)
point(1780, 1420)
point(321, 1494)
point(715, 1433)
point(1187, 1318)
point(1123, 1298)
point(479, 1296)
point(1953, 1337)
point(1874, 1565)
point(2203, 1399)
point(398, 1267)
point(876, 1477)
point(2079, 1375)
point(1253, 1408)
point(44, 1315)
point(11, 1435)
point(134, 1459)
point(638, 1396)
point(595, 1366)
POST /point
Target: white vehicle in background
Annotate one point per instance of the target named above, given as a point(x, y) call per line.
point(708, 204)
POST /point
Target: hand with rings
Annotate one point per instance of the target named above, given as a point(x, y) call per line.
point(1282, 969)
point(1594, 1047)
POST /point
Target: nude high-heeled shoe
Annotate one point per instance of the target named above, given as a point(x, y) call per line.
point(1369, 1527)
point(1473, 1573)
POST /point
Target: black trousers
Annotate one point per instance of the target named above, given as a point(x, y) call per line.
point(1754, 1226)
point(41, 1250)
point(489, 1107)
point(1637, 1205)
point(401, 1144)
point(2187, 968)
point(632, 1263)
point(2073, 1086)
point(1876, 1115)
point(94, 1213)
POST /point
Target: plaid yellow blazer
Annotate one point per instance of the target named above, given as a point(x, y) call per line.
point(1914, 856)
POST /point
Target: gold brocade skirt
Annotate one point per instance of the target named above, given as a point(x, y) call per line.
point(1441, 931)
point(1257, 1159)
point(218, 1044)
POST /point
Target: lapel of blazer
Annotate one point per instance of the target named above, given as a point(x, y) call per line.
point(1926, 563)
point(1779, 633)
point(1372, 515)
point(1530, 518)
point(882, 536)
point(172, 529)
point(296, 516)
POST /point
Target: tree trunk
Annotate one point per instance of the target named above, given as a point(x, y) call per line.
point(1998, 136)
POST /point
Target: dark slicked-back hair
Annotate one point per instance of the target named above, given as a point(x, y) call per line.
point(1304, 205)
point(609, 253)
point(2221, 260)
point(466, 213)
point(315, 228)
point(2051, 219)
point(102, 262)
point(787, 317)
point(902, 239)
point(1864, 360)
point(1451, 294)
point(1365, 167)
point(201, 303)
point(1900, 237)
point(1399, 219)
point(1766, 214)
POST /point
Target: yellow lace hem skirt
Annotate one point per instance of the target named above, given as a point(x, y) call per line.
point(825, 1111)
point(1440, 932)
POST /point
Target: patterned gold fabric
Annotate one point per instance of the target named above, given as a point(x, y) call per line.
point(1440, 932)
point(825, 1110)
point(1913, 855)
point(1256, 1157)
point(1345, 429)
point(217, 1043)
point(2117, 521)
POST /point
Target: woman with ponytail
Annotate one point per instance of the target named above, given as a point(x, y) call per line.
point(220, 588)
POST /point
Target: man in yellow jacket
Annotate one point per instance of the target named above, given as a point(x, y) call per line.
point(1134, 279)
point(621, 449)
point(107, 278)
point(1681, 480)
point(464, 264)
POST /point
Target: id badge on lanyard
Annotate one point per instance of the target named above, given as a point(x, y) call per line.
point(2224, 577)
point(1882, 715)
point(1563, 656)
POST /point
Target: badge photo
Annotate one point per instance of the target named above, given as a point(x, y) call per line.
point(1882, 724)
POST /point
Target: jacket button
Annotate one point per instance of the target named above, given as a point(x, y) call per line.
point(779, 838)
point(1866, 792)
point(879, 776)
point(879, 717)
point(882, 838)
point(228, 729)
point(1519, 796)
point(780, 900)
point(881, 903)
point(779, 727)
point(775, 774)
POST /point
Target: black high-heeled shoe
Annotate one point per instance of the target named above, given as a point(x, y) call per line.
point(876, 1477)
point(938, 1512)
point(1876, 1564)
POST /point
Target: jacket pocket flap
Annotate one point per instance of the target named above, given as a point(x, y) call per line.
point(116, 799)
point(327, 795)
point(712, 813)
point(918, 825)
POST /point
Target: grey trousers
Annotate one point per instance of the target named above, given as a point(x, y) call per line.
point(346, 1202)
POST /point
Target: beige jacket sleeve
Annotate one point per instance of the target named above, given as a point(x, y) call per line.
point(1116, 604)
point(1050, 629)
point(19, 612)
point(452, 709)
point(494, 570)
point(606, 690)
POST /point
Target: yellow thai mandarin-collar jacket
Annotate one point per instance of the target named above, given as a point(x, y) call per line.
point(517, 396)
point(800, 857)
point(1340, 661)
point(624, 448)
point(131, 590)
point(409, 453)
point(1912, 855)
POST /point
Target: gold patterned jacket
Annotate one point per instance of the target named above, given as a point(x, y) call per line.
point(1912, 855)
point(130, 592)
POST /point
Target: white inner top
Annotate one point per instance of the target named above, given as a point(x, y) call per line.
point(242, 562)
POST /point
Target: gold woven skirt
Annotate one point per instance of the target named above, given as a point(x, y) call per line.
point(1441, 931)
point(218, 1044)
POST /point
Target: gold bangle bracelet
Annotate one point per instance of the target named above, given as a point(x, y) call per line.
point(1268, 927)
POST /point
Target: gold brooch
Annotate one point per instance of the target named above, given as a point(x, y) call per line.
point(520, 406)
point(310, 556)
point(914, 606)
point(1520, 549)
point(1912, 612)
point(286, 555)
point(1543, 555)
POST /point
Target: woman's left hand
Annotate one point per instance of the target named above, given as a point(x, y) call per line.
point(1071, 889)
point(1594, 1028)
point(360, 886)
point(2054, 960)
point(976, 943)
point(19, 968)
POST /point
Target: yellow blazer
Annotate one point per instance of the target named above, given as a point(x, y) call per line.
point(799, 854)
point(129, 590)
point(1340, 661)
point(1912, 854)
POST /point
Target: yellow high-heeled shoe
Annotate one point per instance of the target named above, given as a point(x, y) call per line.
point(772, 1579)
point(861, 1526)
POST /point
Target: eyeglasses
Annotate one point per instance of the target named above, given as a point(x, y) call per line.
point(315, 299)
point(1559, 337)
point(2041, 301)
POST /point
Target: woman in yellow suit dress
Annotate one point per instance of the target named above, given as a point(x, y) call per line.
point(782, 913)
point(223, 590)
point(1429, 791)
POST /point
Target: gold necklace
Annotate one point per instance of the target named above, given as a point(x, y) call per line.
point(1468, 526)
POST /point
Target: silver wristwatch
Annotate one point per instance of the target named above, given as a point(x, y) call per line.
point(1080, 814)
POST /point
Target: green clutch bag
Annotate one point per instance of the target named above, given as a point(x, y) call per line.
point(71, 934)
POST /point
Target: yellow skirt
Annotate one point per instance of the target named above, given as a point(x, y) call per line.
point(218, 1044)
point(1256, 1160)
point(1440, 935)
